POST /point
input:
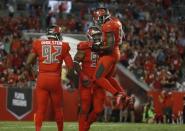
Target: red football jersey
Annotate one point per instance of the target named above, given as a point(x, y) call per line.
point(90, 60)
point(50, 54)
point(115, 26)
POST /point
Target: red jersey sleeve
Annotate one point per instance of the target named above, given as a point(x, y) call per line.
point(66, 48)
point(34, 47)
point(66, 55)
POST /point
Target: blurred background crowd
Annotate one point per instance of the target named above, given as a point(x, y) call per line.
point(153, 49)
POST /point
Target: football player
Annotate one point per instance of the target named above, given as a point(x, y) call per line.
point(85, 62)
point(108, 51)
point(51, 52)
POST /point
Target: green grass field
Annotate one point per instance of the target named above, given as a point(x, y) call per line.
point(51, 126)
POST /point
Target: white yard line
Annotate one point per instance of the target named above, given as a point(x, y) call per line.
point(24, 127)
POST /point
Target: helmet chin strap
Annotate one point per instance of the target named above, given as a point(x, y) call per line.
point(107, 18)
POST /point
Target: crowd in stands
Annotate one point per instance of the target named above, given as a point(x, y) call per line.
point(154, 50)
point(155, 39)
point(13, 53)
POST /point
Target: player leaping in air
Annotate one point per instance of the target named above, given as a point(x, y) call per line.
point(108, 51)
point(51, 53)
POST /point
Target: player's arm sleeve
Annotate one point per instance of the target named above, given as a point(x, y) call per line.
point(68, 60)
point(79, 57)
point(34, 47)
point(109, 43)
point(70, 66)
point(31, 57)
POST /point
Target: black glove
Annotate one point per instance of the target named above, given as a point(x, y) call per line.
point(73, 79)
point(95, 48)
point(70, 86)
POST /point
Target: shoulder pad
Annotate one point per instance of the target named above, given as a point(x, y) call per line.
point(83, 45)
point(111, 25)
point(44, 37)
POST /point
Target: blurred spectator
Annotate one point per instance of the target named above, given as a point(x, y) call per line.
point(127, 111)
point(124, 114)
point(11, 10)
point(148, 113)
point(108, 107)
point(115, 116)
point(7, 45)
point(167, 110)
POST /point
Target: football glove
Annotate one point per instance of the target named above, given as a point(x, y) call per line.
point(95, 48)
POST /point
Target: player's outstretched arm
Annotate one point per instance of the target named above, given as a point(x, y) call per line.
point(71, 72)
point(108, 47)
point(30, 59)
point(32, 56)
point(69, 64)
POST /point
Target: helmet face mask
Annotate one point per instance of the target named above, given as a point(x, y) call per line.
point(97, 38)
point(99, 21)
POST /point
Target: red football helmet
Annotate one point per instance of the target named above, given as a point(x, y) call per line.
point(100, 15)
point(94, 34)
point(55, 32)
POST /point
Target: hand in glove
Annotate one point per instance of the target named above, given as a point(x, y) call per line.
point(95, 48)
